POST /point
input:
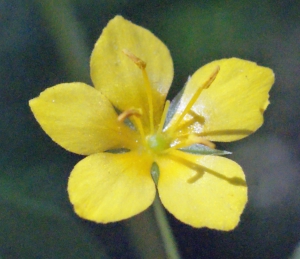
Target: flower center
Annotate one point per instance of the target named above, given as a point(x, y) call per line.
point(158, 143)
point(155, 139)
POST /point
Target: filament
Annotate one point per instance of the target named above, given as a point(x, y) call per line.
point(142, 65)
point(163, 117)
point(195, 97)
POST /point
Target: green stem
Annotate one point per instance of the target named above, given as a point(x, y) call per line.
point(165, 230)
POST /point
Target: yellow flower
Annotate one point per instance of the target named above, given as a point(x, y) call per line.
point(125, 126)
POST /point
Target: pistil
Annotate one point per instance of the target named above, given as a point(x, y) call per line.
point(159, 141)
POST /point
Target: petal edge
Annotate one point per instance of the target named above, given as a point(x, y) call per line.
point(118, 78)
point(108, 187)
point(202, 191)
point(80, 119)
point(233, 105)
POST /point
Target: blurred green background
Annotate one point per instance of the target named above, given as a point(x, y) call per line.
point(45, 42)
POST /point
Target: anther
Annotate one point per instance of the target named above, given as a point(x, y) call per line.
point(140, 63)
point(125, 114)
point(190, 140)
point(211, 78)
point(136, 113)
point(200, 140)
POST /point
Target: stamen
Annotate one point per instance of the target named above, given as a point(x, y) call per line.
point(200, 140)
point(150, 99)
point(195, 97)
point(139, 125)
point(125, 114)
point(191, 140)
point(142, 65)
point(136, 113)
point(163, 117)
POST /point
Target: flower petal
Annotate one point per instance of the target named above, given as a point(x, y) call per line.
point(80, 119)
point(233, 105)
point(202, 191)
point(109, 187)
point(119, 78)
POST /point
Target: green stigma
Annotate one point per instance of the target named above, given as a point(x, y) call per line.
point(158, 143)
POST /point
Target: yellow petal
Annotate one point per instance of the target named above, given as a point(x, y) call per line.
point(119, 78)
point(233, 105)
point(109, 187)
point(80, 119)
point(202, 191)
